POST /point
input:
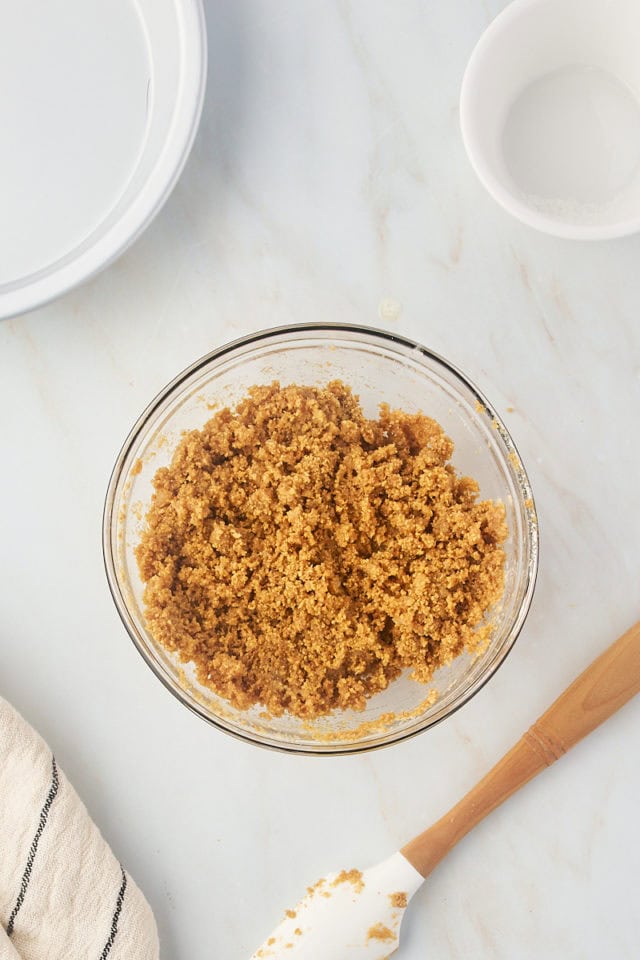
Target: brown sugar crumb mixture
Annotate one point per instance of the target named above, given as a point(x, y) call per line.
point(354, 877)
point(398, 900)
point(302, 556)
point(379, 932)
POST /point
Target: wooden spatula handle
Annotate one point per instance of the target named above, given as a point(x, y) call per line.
point(602, 689)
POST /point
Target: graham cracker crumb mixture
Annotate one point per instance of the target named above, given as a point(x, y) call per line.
point(317, 886)
point(398, 900)
point(302, 556)
point(354, 877)
point(379, 932)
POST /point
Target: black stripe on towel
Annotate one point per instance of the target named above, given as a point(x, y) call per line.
point(44, 816)
point(116, 916)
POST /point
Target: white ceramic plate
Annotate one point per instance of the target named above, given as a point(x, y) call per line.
point(99, 104)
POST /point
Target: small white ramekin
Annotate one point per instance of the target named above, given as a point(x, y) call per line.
point(535, 39)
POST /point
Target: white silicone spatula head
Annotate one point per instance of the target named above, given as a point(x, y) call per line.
point(357, 916)
point(350, 915)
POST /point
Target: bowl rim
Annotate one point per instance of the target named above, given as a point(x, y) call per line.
point(321, 748)
point(505, 198)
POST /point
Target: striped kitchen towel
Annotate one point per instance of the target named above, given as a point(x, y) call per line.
point(63, 894)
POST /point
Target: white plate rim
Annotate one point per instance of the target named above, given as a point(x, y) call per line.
point(155, 190)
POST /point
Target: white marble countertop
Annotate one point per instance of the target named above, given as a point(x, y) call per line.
point(329, 182)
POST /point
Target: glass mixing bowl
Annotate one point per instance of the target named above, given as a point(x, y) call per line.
point(380, 367)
